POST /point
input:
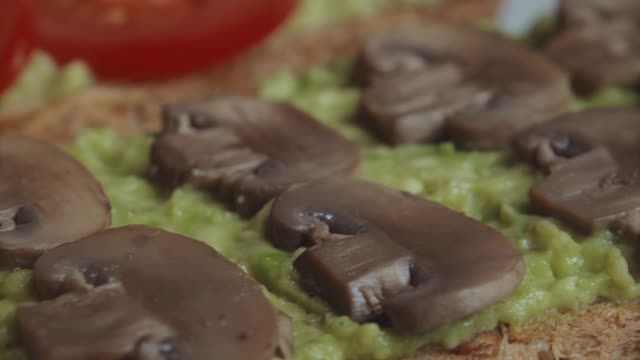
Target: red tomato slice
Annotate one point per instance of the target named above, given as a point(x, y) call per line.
point(15, 39)
point(149, 39)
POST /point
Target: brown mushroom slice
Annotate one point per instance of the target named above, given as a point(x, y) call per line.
point(46, 198)
point(362, 236)
point(248, 150)
point(582, 13)
point(142, 293)
point(436, 79)
point(591, 156)
point(591, 192)
point(567, 136)
point(599, 55)
point(74, 326)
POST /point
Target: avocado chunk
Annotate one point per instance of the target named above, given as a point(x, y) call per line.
point(247, 150)
point(47, 198)
point(377, 251)
point(140, 292)
point(441, 81)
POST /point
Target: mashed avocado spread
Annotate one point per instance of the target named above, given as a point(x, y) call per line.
point(563, 270)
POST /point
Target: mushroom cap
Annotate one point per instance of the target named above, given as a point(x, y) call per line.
point(576, 133)
point(374, 250)
point(460, 82)
point(248, 150)
point(47, 198)
point(143, 291)
point(599, 55)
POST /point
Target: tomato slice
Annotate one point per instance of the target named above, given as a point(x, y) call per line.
point(15, 39)
point(149, 39)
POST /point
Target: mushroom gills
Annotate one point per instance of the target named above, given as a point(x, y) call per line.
point(121, 294)
point(247, 150)
point(379, 252)
point(47, 198)
point(464, 85)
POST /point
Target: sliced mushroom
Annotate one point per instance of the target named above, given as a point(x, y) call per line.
point(600, 55)
point(591, 156)
point(142, 293)
point(46, 198)
point(582, 13)
point(567, 136)
point(423, 83)
point(373, 251)
point(248, 150)
point(591, 192)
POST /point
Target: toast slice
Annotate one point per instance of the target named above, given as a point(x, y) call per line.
point(599, 331)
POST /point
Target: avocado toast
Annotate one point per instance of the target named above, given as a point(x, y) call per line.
point(568, 335)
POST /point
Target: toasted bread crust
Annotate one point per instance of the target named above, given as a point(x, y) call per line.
point(599, 331)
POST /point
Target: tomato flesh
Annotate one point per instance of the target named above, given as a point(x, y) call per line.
point(15, 39)
point(150, 39)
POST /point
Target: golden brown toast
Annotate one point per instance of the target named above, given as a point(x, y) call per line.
point(599, 331)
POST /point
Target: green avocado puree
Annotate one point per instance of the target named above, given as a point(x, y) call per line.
point(563, 270)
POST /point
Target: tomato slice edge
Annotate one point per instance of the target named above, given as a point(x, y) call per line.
point(16, 39)
point(144, 56)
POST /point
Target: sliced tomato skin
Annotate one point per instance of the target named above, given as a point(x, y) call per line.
point(16, 39)
point(157, 44)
